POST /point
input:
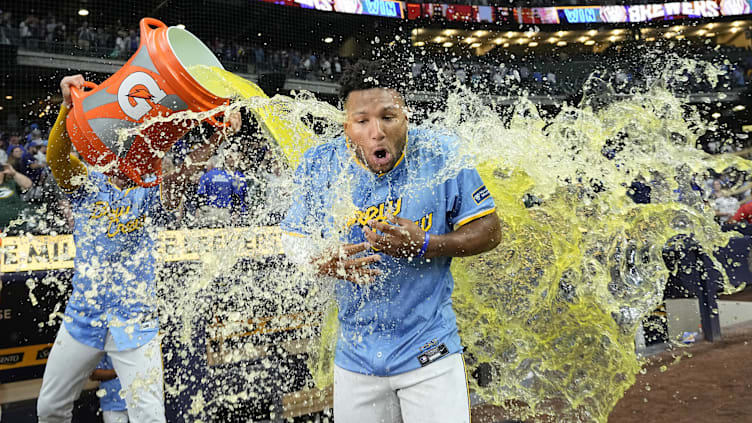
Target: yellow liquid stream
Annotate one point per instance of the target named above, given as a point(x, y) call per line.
point(292, 138)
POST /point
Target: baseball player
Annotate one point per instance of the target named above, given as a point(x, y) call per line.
point(112, 307)
point(114, 409)
point(398, 355)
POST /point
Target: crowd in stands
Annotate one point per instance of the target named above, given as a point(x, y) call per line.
point(27, 191)
point(498, 72)
point(730, 196)
point(562, 74)
point(116, 41)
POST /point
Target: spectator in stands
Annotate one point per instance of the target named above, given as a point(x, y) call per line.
point(121, 44)
point(3, 151)
point(258, 53)
point(12, 185)
point(84, 36)
point(29, 164)
point(132, 42)
point(41, 155)
point(34, 133)
point(24, 31)
point(55, 30)
point(524, 72)
point(294, 65)
point(724, 205)
point(326, 68)
point(221, 190)
point(307, 67)
point(15, 155)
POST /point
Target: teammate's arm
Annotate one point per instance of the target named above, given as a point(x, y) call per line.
point(173, 185)
point(67, 170)
point(103, 375)
point(403, 238)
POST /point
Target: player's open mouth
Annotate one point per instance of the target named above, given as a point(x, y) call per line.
point(381, 157)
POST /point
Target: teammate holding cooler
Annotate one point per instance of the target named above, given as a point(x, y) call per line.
point(398, 355)
point(112, 308)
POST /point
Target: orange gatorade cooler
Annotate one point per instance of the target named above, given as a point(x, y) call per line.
point(154, 82)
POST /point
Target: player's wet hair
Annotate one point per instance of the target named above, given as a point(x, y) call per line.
point(367, 74)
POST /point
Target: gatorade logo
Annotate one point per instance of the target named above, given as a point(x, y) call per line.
point(138, 93)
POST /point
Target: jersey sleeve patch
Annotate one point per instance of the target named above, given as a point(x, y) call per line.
point(481, 194)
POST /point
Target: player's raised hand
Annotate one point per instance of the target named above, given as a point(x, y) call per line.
point(400, 238)
point(65, 87)
point(340, 264)
point(235, 122)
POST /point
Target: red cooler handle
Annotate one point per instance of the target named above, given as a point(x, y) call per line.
point(212, 120)
point(75, 92)
point(147, 23)
point(217, 124)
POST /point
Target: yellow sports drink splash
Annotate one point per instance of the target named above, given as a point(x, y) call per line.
point(553, 311)
point(291, 135)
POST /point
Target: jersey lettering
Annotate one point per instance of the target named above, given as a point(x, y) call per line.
point(115, 226)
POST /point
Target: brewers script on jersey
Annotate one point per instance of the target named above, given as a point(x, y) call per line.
point(404, 320)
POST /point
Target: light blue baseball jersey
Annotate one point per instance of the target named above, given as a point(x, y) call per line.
point(113, 283)
point(386, 326)
point(111, 401)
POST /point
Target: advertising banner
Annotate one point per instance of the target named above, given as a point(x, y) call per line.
point(674, 10)
point(452, 12)
point(25, 254)
point(383, 8)
point(528, 15)
point(626, 14)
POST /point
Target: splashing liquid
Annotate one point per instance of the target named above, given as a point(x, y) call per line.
point(554, 309)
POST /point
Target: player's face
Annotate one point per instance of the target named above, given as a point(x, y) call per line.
point(376, 126)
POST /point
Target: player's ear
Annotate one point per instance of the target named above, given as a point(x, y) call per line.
point(346, 127)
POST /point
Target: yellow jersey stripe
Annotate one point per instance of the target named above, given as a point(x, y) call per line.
point(474, 217)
